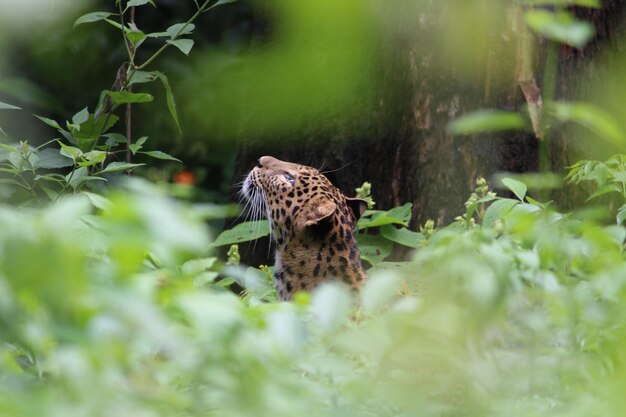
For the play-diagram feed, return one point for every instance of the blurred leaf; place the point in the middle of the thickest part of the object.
(379, 290)
(160, 155)
(30, 93)
(621, 214)
(617, 233)
(81, 117)
(49, 122)
(124, 97)
(98, 201)
(91, 130)
(397, 215)
(402, 236)
(142, 77)
(606, 189)
(197, 266)
(330, 305)
(169, 96)
(136, 37)
(184, 28)
(92, 17)
(595, 4)
(69, 151)
(132, 3)
(591, 117)
(518, 188)
(134, 147)
(92, 158)
(497, 210)
(9, 148)
(534, 180)
(560, 27)
(374, 248)
(184, 45)
(485, 121)
(5, 106)
(114, 139)
(52, 158)
(219, 3)
(243, 232)
(119, 166)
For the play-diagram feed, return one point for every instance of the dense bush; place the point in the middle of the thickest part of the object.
(117, 309)
(113, 301)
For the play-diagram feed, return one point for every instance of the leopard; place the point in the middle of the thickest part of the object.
(312, 224)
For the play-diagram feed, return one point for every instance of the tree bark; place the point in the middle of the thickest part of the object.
(406, 152)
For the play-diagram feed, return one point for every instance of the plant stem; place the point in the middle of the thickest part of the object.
(128, 105)
(127, 44)
(182, 28)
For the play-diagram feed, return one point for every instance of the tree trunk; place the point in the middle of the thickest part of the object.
(405, 150)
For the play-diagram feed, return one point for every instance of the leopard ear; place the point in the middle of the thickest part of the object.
(315, 213)
(357, 205)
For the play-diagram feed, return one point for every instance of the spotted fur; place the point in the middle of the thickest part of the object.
(313, 225)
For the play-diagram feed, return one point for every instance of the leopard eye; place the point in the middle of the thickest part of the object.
(290, 178)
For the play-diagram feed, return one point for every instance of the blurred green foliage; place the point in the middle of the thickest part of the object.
(114, 303)
(121, 308)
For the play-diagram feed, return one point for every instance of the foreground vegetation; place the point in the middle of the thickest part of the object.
(115, 306)
(113, 301)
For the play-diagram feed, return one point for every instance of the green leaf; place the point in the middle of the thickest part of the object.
(138, 145)
(591, 117)
(621, 214)
(124, 97)
(243, 232)
(617, 233)
(75, 178)
(81, 117)
(608, 188)
(220, 2)
(374, 248)
(184, 45)
(402, 236)
(117, 25)
(92, 158)
(52, 158)
(6, 106)
(70, 151)
(497, 210)
(593, 4)
(92, 17)
(171, 103)
(397, 215)
(196, 266)
(379, 290)
(91, 130)
(9, 148)
(517, 187)
(161, 155)
(136, 37)
(49, 122)
(98, 201)
(330, 305)
(115, 139)
(132, 3)
(560, 27)
(484, 121)
(142, 77)
(119, 166)
(187, 28)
